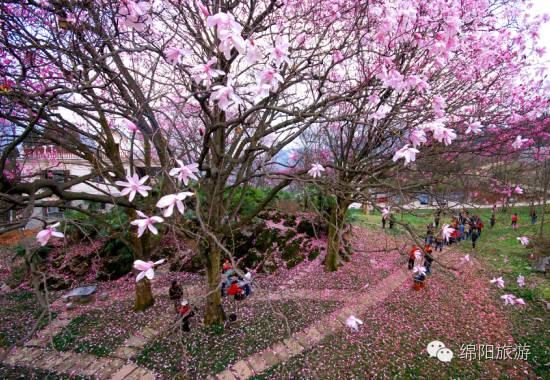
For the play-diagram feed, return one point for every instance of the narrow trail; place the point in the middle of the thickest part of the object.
(356, 303)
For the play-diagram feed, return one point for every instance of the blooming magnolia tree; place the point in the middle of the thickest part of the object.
(199, 95)
(448, 82)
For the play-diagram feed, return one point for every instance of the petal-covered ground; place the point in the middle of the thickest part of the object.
(373, 259)
(457, 310)
(100, 331)
(203, 351)
(19, 312)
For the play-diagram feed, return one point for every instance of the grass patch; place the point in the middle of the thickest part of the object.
(205, 351)
(100, 331)
(19, 311)
(502, 255)
(18, 373)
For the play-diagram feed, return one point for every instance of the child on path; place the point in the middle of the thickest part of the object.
(515, 221)
(186, 313)
(412, 256)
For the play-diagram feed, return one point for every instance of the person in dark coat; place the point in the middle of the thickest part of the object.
(175, 293)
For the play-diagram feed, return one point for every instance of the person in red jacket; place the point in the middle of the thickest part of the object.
(515, 220)
(480, 226)
(236, 291)
(226, 266)
(412, 256)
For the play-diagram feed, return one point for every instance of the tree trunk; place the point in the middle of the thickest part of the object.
(213, 313)
(545, 181)
(141, 248)
(144, 295)
(335, 227)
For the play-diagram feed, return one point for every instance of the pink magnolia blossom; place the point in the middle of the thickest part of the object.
(337, 56)
(279, 53)
(133, 186)
(230, 40)
(443, 134)
(225, 95)
(225, 22)
(271, 77)
(44, 236)
(205, 73)
(408, 153)
(203, 9)
(259, 92)
(439, 104)
(518, 142)
(465, 259)
(169, 201)
(253, 53)
(134, 8)
(134, 14)
(524, 240)
(146, 222)
(174, 54)
(418, 136)
(185, 172)
(521, 281)
(474, 128)
(316, 170)
(498, 281)
(518, 190)
(373, 99)
(132, 127)
(380, 113)
(146, 268)
(447, 231)
(510, 299)
(353, 322)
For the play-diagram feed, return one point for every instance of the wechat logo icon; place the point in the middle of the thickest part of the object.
(437, 349)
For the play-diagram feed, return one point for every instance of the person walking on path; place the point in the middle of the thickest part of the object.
(533, 216)
(439, 241)
(475, 235)
(479, 226)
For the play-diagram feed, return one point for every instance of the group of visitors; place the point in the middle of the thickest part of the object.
(232, 285)
(464, 225)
